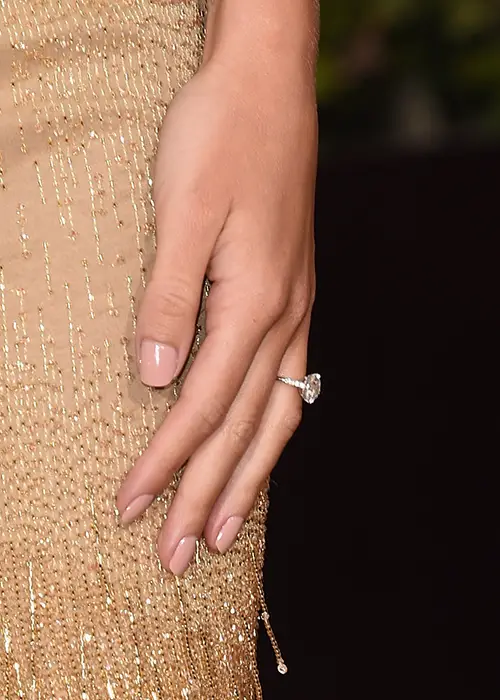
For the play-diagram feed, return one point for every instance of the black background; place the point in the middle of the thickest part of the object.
(382, 573)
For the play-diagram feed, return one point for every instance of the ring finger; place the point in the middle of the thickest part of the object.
(280, 421)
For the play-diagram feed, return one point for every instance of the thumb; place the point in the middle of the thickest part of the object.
(189, 219)
(166, 324)
(170, 306)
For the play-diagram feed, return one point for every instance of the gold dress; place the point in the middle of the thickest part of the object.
(86, 610)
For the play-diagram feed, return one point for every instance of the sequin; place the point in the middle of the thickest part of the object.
(86, 611)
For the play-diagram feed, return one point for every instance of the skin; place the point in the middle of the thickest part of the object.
(234, 194)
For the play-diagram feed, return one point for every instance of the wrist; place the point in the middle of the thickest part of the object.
(271, 39)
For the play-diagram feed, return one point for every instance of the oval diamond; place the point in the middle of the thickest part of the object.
(312, 388)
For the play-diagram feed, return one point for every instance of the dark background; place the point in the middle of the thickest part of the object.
(383, 572)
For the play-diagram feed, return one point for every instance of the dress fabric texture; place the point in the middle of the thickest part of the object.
(86, 610)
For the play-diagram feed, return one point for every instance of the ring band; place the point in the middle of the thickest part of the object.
(309, 387)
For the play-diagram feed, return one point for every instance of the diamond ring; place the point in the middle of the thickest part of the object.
(309, 387)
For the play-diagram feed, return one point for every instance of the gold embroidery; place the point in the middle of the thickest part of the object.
(86, 611)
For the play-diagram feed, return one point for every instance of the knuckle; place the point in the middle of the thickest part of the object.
(300, 307)
(270, 303)
(164, 309)
(192, 508)
(312, 291)
(242, 431)
(291, 420)
(211, 415)
(187, 206)
(277, 299)
(301, 302)
(174, 300)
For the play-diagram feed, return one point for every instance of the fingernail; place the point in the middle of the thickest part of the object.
(136, 508)
(228, 533)
(158, 363)
(182, 555)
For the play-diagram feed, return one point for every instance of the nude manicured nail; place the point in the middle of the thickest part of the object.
(136, 508)
(182, 556)
(228, 533)
(158, 363)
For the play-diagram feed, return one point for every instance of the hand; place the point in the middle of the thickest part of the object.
(234, 196)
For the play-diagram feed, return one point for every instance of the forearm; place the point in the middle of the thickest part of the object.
(274, 36)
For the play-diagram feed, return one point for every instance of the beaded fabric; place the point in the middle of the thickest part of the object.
(86, 610)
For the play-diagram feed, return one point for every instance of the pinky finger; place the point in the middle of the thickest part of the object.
(280, 421)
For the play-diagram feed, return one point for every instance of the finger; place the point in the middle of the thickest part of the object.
(186, 232)
(236, 326)
(211, 466)
(281, 420)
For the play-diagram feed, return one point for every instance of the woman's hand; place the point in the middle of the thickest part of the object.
(234, 195)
